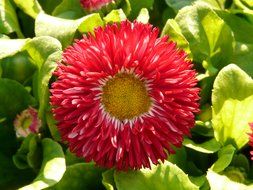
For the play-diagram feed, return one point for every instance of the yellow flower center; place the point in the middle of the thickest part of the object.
(125, 96)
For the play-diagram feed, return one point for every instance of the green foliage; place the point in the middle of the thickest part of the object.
(208, 35)
(232, 101)
(220, 182)
(87, 176)
(14, 98)
(8, 19)
(30, 7)
(163, 176)
(214, 33)
(53, 166)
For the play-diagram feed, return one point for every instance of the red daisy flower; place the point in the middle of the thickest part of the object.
(92, 5)
(124, 96)
(27, 122)
(251, 140)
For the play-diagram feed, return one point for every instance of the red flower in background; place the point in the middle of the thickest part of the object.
(92, 5)
(124, 96)
(27, 122)
(251, 140)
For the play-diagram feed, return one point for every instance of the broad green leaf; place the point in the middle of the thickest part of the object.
(30, 7)
(201, 182)
(8, 171)
(239, 26)
(2, 36)
(208, 35)
(126, 6)
(45, 52)
(72, 159)
(49, 5)
(162, 176)
(20, 158)
(8, 19)
(83, 176)
(244, 4)
(108, 180)
(172, 29)
(207, 147)
(29, 153)
(177, 5)
(243, 57)
(241, 161)
(232, 100)
(10, 47)
(17, 67)
(179, 158)
(70, 9)
(34, 156)
(225, 156)
(221, 182)
(203, 128)
(53, 166)
(10, 176)
(63, 29)
(13, 98)
(51, 123)
(115, 16)
(136, 6)
(143, 16)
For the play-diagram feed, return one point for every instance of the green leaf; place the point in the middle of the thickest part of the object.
(172, 29)
(225, 156)
(8, 19)
(30, 7)
(200, 181)
(203, 128)
(34, 156)
(136, 6)
(51, 123)
(17, 67)
(10, 47)
(49, 5)
(243, 57)
(14, 98)
(53, 166)
(20, 158)
(221, 182)
(241, 161)
(208, 35)
(232, 100)
(29, 153)
(115, 16)
(63, 29)
(108, 180)
(70, 9)
(44, 52)
(207, 147)
(10, 174)
(162, 176)
(83, 176)
(177, 5)
(238, 25)
(143, 16)
(71, 158)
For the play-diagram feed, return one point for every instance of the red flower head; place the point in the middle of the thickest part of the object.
(93, 5)
(251, 140)
(27, 122)
(124, 96)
